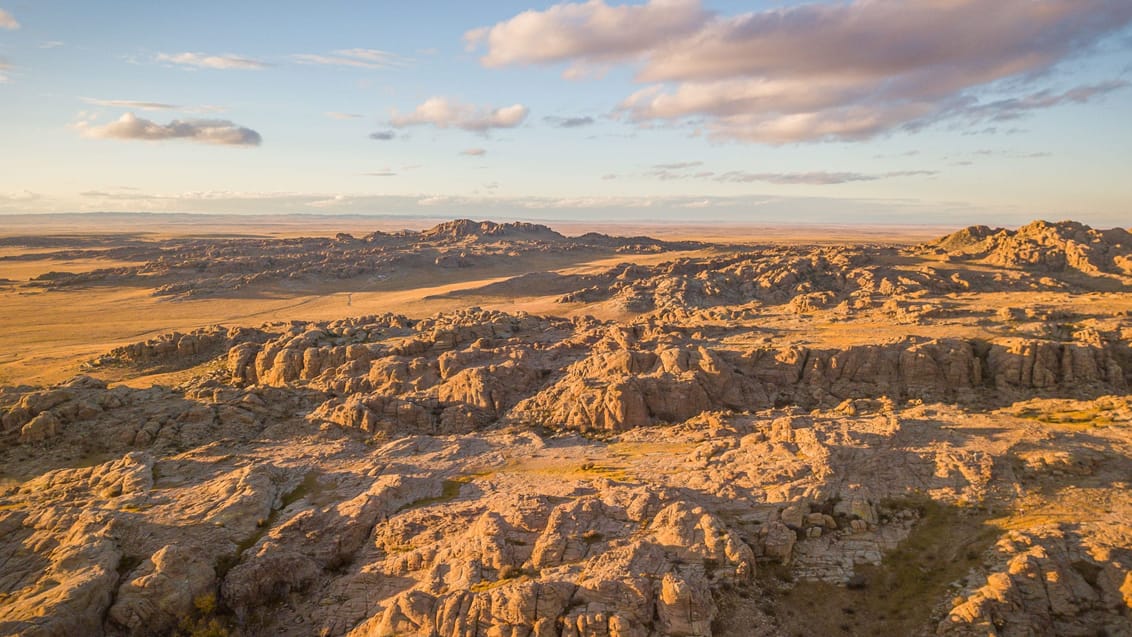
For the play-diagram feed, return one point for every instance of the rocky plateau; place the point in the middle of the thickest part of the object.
(728, 440)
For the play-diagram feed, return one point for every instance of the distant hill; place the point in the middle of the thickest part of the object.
(464, 229)
(1041, 245)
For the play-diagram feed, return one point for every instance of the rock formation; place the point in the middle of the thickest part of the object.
(759, 441)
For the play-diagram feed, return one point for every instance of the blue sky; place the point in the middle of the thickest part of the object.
(926, 111)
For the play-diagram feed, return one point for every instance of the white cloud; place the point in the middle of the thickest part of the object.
(444, 113)
(818, 71)
(474, 152)
(7, 21)
(358, 58)
(214, 131)
(587, 34)
(337, 115)
(206, 61)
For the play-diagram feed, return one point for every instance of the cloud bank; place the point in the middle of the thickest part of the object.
(444, 113)
(206, 131)
(834, 71)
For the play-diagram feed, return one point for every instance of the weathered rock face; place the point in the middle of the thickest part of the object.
(86, 417)
(293, 555)
(1047, 584)
(599, 571)
(73, 582)
(180, 350)
(619, 389)
(463, 371)
(509, 532)
(1051, 247)
(161, 592)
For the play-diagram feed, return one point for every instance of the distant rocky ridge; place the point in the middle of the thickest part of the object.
(463, 229)
(1050, 247)
(191, 267)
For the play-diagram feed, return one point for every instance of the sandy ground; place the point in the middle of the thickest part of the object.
(46, 335)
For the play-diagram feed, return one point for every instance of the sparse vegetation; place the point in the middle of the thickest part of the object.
(204, 621)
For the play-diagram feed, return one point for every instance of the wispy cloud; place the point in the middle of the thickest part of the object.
(817, 178)
(681, 171)
(444, 113)
(381, 173)
(7, 21)
(1015, 107)
(474, 152)
(383, 135)
(817, 71)
(207, 131)
(337, 115)
(52, 44)
(19, 197)
(357, 58)
(4, 68)
(207, 61)
(568, 122)
(141, 106)
(152, 106)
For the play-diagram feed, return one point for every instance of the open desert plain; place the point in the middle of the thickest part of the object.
(566, 318)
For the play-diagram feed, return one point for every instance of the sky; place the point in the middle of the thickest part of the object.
(862, 111)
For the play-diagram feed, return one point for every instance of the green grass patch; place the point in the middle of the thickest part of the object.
(449, 491)
(898, 596)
